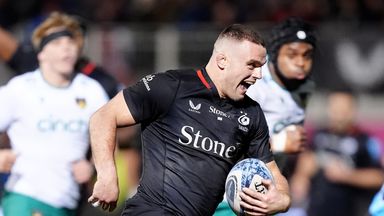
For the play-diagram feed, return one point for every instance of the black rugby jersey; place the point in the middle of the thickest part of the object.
(191, 139)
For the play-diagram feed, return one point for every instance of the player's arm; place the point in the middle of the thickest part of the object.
(338, 172)
(277, 198)
(103, 126)
(7, 159)
(8, 45)
(282, 186)
(300, 181)
(373, 177)
(7, 117)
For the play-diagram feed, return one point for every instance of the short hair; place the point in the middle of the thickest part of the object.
(241, 32)
(57, 19)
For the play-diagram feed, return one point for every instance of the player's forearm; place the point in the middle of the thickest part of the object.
(8, 45)
(103, 141)
(282, 186)
(369, 178)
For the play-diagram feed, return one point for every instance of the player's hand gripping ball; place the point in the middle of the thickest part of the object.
(246, 173)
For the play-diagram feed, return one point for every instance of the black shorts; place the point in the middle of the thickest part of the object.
(138, 205)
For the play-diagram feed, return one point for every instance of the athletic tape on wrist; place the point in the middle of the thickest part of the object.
(279, 141)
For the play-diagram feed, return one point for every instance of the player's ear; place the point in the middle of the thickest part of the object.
(221, 61)
(40, 56)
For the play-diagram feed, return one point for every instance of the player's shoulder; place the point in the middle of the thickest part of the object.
(84, 79)
(87, 82)
(171, 77)
(189, 79)
(23, 79)
(181, 74)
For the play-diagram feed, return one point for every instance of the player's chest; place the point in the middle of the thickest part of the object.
(56, 104)
(213, 116)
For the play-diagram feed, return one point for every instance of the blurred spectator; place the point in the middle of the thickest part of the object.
(311, 10)
(342, 171)
(196, 11)
(373, 11)
(344, 10)
(224, 13)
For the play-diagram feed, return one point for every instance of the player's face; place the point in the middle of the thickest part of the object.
(295, 60)
(60, 55)
(243, 69)
(341, 111)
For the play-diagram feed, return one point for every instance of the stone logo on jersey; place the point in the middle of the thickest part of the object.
(194, 108)
(218, 112)
(196, 140)
(146, 80)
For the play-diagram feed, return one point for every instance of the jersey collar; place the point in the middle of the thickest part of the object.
(205, 79)
(208, 83)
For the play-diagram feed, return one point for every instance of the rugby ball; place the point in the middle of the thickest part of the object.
(246, 173)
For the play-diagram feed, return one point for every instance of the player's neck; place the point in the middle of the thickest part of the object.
(276, 78)
(214, 75)
(56, 78)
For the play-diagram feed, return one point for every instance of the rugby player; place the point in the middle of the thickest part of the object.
(196, 124)
(45, 113)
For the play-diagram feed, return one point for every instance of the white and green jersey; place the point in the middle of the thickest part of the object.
(279, 107)
(48, 130)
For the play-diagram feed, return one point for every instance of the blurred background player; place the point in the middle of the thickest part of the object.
(21, 57)
(45, 113)
(284, 90)
(341, 171)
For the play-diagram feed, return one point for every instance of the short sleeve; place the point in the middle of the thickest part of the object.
(7, 107)
(152, 96)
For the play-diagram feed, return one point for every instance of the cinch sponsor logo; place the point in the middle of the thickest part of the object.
(216, 111)
(194, 108)
(196, 140)
(56, 125)
(146, 80)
